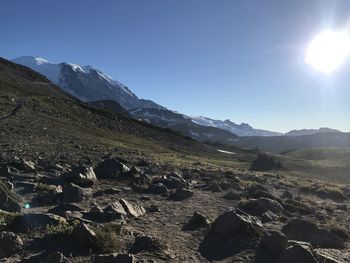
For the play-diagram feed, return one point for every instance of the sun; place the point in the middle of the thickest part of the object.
(328, 51)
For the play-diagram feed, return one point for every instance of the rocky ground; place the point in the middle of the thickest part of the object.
(120, 211)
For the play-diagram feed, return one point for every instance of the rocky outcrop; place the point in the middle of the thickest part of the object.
(73, 193)
(110, 168)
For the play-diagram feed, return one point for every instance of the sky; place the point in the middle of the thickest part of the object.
(242, 60)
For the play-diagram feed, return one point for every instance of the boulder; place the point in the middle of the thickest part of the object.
(330, 256)
(81, 175)
(8, 200)
(114, 258)
(55, 257)
(303, 230)
(268, 216)
(35, 221)
(234, 221)
(146, 243)
(110, 168)
(197, 220)
(274, 241)
(132, 210)
(158, 189)
(84, 235)
(257, 207)
(63, 207)
(181, 194)
(231, 233)
(297, 253)
(153, 208)
(74, 193)
(9, 172)
(10, 243)
(116, 208)
(173, 181)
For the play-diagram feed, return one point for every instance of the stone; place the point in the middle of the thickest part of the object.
(81, 175)
(35, 221)
(234, 221)
(181, 194)
(27, 166)
(9, 172)
(197, 220)
(10, 243)
(153, 209)
(268, 216)
(114, 258)
(146, 243)
(63, 207)
(303, 230)
(157, 189)
(55, 257)
(132, 210)
(274, 241)
(110, 168)
(257, 207)
(84, 235)
(8, 200)
(297, 253)
(330, 256)
(74, 193)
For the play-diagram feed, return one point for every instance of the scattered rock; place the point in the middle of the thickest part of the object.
(297, 253)
(132, 210)
(269, 216)
(181, 194)
(197, 220)
(10, 243)
(114, 258)
(35, 221)
(110, 168)
(81, 175)
(330, 256)
(274, 241)
(230, 233)
(146, 243)
(55, 257)
(158, 189)
(257, 207)
(84, 235)
(8, 200)
(303, 230)
(153, 209)
(74, 193)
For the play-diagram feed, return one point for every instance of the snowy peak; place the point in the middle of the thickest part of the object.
(242, 129)
(87, 83)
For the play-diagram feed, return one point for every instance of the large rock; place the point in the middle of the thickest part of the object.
(158, 189)
(55, 257)
(132, 210)
(274, 241)
(230, 233)
(74, 193)
(257, 207)
(331, 256)
(303, 230)
(114, 258)
(8, 200)
(81, 175)
(35, 221)
(9, 172)
(110, 168)
(197, 220)
(181, 194)
(10, 243)
(299, 253)
(173, 181)
(84, 235)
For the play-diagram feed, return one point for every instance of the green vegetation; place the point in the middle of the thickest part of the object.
(107, 238)
(265, 162)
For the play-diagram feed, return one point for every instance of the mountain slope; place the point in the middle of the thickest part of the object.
(183, 124)
(242, 129)
(86, 82)
(310, 131)
(37, 118)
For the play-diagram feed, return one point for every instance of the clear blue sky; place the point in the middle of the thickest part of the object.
(236, 59)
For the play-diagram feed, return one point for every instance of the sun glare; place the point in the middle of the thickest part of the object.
(328, 51)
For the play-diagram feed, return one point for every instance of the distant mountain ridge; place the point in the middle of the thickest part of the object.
(242, 129)
(310, 131)
(86, 82)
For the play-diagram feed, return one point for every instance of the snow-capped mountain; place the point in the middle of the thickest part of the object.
(242, 129)
(86, 82)
(183, 124)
